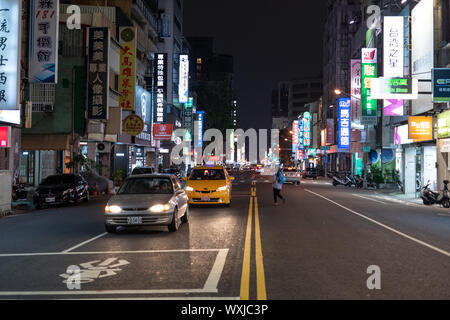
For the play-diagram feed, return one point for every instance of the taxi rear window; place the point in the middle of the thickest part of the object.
(207, 174)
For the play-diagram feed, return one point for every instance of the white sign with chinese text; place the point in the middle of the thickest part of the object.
(43, 67)
(9, 54)
(183, 85)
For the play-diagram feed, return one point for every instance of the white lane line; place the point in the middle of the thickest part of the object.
(384, 226)
(85, 242)
(104, 252)
(368, 198)
(98, 292)
(162, 298)
(214, 276)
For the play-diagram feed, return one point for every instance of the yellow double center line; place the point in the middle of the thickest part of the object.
(260, 278)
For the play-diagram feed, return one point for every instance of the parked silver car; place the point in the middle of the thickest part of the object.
(148, 199)
(292, 175)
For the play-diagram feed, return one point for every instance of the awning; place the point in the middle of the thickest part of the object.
(45, 142)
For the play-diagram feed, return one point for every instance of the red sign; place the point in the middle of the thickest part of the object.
(299, 154)
(162, 131)
(5, 137)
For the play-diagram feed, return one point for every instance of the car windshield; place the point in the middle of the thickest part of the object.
(58, 179)
(146, 186)
(142, 170)
(207, 174)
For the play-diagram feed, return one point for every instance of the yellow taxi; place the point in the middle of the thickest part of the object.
(209, 185)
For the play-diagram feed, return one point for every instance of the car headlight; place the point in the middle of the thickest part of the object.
(158, 208)
(189, 188)
(113, 209)
(222, 188)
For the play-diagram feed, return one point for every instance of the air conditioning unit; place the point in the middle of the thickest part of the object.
(103, 147)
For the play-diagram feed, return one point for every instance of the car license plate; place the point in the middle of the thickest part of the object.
(134, 220)
(206, 198)
(52, 199)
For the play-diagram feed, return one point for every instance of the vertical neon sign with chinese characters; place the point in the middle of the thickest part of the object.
(43, 66)
(306, 129)
(369, 71)
(127, 76)
(98, 74)
(161, 85)
(344, 123)
(183, 85)
(9, 54)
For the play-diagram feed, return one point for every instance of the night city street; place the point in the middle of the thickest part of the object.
(316, 246)
(224, 159)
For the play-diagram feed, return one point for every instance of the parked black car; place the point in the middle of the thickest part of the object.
(175, 172)
(143, 170)
(61, 189)
(310, 173)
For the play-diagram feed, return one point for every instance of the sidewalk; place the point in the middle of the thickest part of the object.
(27, 206)
(397, 195)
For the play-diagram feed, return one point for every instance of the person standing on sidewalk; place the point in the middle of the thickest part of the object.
(278, 180)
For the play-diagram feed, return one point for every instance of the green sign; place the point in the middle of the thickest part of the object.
(366, 149)
(190, 102)
(397, 85)
(325, 148)
(443, 124)
(368, 105)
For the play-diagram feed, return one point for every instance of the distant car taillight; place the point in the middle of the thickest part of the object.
(298, 174)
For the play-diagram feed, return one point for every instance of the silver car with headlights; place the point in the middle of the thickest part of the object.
(148, 200)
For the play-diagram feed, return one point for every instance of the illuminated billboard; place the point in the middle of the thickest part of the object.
(183, 84)
(369, 71)
(344, 123)
(9, 55)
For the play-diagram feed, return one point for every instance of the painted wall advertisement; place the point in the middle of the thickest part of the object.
(355, 91)
(9, 55)
(344, 123)
(98, 74)
(127, 76)
(44, 21)
(369, 71)
(161, 85)
(393, 60)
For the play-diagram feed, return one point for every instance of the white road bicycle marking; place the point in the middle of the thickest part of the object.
(210, 286)
(85, 242)
(368, 198)
(384, 226)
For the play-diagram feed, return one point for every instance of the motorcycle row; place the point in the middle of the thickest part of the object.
(428, 196)
(345, 179)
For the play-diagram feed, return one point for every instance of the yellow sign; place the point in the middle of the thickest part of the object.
(420, 128)
(127, 76)
(133, 125)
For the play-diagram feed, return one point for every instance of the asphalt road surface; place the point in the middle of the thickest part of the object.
(323, 243)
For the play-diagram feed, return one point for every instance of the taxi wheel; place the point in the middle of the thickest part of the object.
(173, 226)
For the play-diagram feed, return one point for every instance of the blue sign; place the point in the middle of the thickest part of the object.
(198, 138)
(441, 84)
(344, 123)
(143, 110)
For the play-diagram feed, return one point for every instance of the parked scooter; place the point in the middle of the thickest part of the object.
(19, 192)
(339, 181)
(430, 197)
(359, 182)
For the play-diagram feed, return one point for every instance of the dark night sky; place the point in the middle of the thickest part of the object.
(271, 41)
